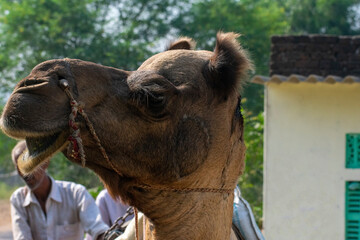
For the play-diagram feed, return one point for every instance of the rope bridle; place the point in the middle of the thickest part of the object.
(74, 138)
(78, 151)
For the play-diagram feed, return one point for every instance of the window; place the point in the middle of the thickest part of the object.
(352, 151)
(352, 211)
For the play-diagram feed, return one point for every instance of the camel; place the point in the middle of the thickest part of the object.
(170, 129)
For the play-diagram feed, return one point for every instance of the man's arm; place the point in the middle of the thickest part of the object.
(20, 228)
(89, 214)
(101, 203)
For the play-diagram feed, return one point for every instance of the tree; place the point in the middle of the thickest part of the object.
(110, 32)
(251, 181)
(61, 168)
(6, 145)
(323, 16)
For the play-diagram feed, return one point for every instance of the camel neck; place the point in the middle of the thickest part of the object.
(189, 216)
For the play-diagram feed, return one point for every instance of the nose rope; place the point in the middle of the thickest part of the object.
(76, 141)
(75, 138)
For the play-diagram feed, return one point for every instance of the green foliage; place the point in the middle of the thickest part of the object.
(323, 16)
(6, 190)
(118, 33)
(6, 145)
(251, 182)
(61, 168)
(94, 192)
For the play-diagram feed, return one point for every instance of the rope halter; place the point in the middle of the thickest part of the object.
(75, 138)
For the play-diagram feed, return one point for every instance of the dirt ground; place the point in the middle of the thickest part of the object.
(5, 220)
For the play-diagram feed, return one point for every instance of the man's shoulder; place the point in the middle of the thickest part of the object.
(70, 187)
(102, 194)
(18, 194)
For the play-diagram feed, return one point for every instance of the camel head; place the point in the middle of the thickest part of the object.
(173, 122)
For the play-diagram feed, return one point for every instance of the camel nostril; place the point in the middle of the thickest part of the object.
(31, 82)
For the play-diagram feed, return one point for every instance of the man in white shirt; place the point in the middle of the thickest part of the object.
(111, 209)
(49, 209)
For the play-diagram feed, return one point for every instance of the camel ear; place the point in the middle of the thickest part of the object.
(183, 43)
(228, 66)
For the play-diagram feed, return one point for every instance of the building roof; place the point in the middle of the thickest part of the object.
(315, 54)
(294, 78)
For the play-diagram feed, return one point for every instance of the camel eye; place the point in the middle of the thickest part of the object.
(156, 102)
(152, 104)
(155, 105)
(151, 94)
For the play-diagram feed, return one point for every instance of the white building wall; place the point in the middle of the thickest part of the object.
(304, 165)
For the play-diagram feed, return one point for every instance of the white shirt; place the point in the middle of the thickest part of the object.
(110, 209)
(70, 210)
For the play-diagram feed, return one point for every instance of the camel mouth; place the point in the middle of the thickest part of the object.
(40, 150)
(31, 84)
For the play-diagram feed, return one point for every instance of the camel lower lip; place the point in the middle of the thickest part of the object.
(36, 145)
(41, 149)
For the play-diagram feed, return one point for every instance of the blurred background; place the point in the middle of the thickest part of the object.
(124, 33)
